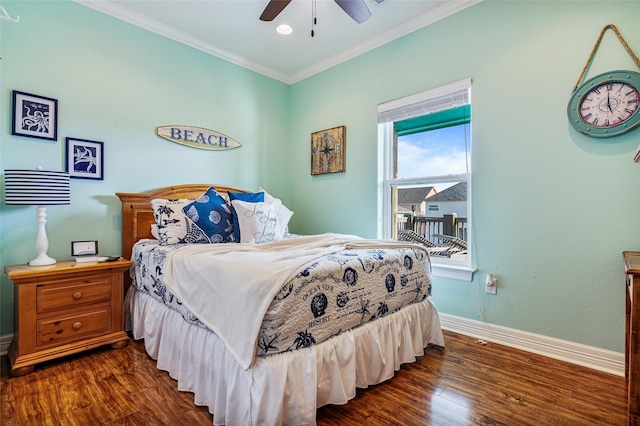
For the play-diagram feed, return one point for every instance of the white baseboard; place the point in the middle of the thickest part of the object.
(575, 353)
(5, 341)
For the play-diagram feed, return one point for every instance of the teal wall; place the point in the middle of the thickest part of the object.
(115, 83)
(552, 209)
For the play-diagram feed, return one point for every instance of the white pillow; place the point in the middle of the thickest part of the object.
(268, 197)
(262, 222)
(173, 226)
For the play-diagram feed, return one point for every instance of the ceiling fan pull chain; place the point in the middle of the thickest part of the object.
(314, 20)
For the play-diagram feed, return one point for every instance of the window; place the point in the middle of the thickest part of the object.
(425, 175)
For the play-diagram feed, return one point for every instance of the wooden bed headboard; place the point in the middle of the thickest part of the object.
(137, 214)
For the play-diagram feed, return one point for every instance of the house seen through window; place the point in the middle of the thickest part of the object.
(426, 149)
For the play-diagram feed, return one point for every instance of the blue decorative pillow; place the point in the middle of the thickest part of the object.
(250, 197)
(212, 215)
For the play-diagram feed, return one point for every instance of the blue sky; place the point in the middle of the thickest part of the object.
(435, 153)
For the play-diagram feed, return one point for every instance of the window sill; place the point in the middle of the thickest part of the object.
(455, 272)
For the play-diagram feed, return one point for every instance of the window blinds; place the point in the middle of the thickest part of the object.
(451, 96)
(437, 120)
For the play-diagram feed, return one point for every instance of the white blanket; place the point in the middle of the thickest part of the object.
(229, 286)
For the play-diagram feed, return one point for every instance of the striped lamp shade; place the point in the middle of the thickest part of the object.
(36, 187)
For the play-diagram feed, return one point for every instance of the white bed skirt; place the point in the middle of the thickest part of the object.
(278, 390)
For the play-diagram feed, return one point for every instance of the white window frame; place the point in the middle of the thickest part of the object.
(404, 108)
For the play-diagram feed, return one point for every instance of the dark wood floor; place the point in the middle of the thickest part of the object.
(464, 384)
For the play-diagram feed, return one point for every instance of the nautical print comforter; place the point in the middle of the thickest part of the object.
(334, 293)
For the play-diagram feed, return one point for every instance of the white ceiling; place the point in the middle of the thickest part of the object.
(231, 29)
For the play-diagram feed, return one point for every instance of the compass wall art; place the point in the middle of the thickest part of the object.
(328, 149)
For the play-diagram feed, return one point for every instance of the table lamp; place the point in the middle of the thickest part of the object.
(37, 188)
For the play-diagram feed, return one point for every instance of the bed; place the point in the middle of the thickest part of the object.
(269, 344)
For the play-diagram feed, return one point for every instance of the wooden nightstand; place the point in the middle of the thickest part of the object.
(65, 308)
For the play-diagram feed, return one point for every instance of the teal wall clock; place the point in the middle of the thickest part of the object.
(606, 105)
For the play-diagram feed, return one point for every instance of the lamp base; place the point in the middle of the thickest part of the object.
(42, 243)
(42, 260)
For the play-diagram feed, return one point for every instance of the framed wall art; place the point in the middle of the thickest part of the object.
(85, 159)
(328, 149)
(34, 116)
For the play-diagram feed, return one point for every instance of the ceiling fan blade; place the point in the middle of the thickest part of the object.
(273, 9)
(356, 9)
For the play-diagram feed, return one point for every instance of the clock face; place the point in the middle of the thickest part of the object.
(609, 104)
(606, 105)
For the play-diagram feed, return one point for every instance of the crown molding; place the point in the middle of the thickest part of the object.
(144, 22)
(443, 10)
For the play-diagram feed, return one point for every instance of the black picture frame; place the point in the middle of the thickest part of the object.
(84, 159)
(34, 116)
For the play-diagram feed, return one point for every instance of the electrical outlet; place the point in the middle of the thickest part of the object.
(491, 285)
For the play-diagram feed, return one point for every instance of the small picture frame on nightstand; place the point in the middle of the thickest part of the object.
(84, 248)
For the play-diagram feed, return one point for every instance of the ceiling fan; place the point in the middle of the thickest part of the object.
(356, 9)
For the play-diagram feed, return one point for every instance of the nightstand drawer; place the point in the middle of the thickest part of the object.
(51, 298)
(56, 330)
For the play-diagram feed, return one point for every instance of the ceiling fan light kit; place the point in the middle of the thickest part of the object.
(284, 29)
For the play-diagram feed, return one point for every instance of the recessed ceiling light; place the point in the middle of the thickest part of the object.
(284, 29)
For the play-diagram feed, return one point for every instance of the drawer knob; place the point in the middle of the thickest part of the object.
(77, 325)
(77, 295)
